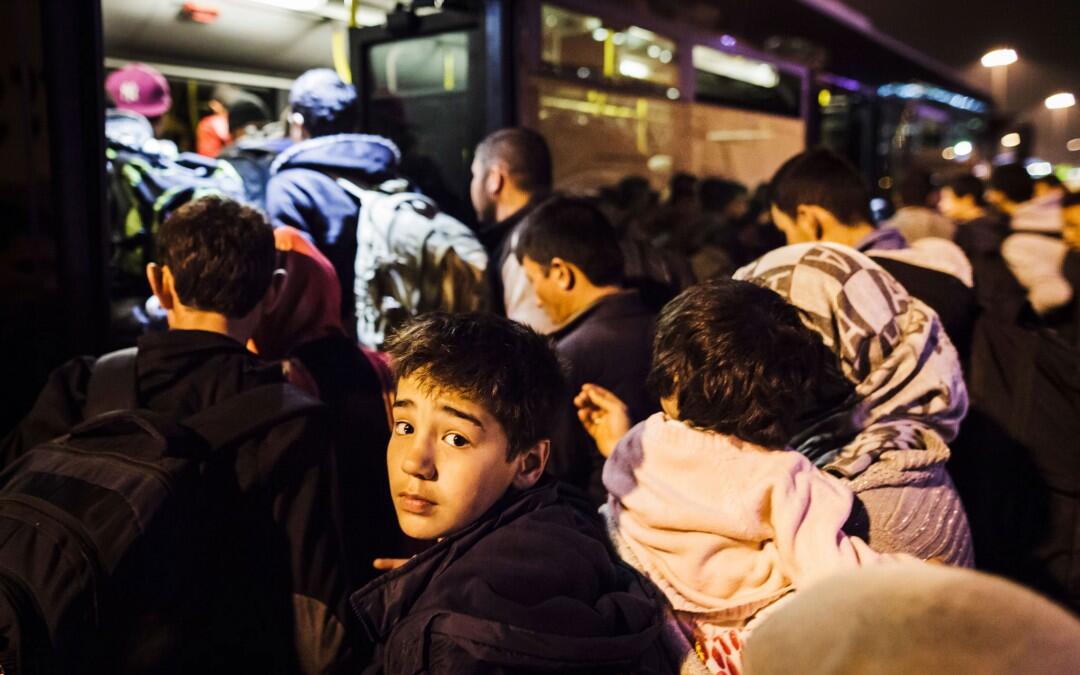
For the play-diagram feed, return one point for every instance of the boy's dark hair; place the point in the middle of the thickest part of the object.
(1013, 181)
(740, 362)
(914, 188)
(502, 366)
(576, 231)
(525, 153)
(327, 103)
(823, 178)
(221, 254)
(968, 184)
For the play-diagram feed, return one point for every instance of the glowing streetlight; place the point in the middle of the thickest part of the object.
(1060, 100)
(999, 57)
(1010, 140)
(963, 148)
(998, 62)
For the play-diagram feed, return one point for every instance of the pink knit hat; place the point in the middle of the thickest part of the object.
(139, 88)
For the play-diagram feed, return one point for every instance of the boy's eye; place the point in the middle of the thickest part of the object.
(403, 428)
(456, 440)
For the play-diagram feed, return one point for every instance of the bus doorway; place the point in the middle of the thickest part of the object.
(435, 85)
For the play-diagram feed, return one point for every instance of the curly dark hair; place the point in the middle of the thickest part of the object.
(739, 361)
(221, 254)
(502, 366)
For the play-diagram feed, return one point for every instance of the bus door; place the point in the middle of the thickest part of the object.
(435, 84)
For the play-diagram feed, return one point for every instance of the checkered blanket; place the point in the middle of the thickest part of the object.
(909, 385)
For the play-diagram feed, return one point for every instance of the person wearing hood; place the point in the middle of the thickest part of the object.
(522, 578)
(301, 327)
(819, 196)
(303, 191)
(1034, 250)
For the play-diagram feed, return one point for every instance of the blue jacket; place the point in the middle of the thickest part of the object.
(302, 192)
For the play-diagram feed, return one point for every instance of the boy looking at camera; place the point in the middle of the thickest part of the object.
(522, 576)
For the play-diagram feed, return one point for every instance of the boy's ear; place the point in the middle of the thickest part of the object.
(808, 222)
(161, 285)
(531, 464)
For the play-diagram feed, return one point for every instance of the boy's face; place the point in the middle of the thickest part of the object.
(446, 458)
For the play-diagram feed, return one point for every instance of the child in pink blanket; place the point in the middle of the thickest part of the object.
(704, 498)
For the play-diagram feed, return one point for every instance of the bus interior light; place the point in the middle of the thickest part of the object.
(634, 69)
(751, 71)
(295, 5)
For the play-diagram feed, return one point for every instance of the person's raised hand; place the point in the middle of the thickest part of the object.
(604, 416)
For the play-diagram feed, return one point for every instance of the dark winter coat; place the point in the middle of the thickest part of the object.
(273, 487)
(532, 586)
(610, 344)
(303, 192)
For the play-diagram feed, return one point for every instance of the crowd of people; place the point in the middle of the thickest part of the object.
(720, 433)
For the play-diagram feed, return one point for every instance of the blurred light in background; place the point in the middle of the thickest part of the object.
(999, 57)
(1011, 140)
(1073, 145)
(1060, 100)
(1037, 169)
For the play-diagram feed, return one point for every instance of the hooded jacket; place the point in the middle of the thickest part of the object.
(273, 487)
(303, 193)
(531, 586)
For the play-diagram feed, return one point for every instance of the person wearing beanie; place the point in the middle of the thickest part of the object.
(915, 618)
(303, 190)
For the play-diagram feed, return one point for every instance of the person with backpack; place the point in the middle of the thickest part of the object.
(190, 474)
(395, 252)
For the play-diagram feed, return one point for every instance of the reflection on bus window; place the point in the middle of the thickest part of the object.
(417, 85)
(744, 82)
(584, 47)
(421, 66)
(598, 137)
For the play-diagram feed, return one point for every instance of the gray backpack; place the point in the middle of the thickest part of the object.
(411, 258)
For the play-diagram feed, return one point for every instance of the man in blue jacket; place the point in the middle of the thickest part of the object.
(303, 191)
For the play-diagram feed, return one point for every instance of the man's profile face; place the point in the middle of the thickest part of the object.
(549, 294)
(483, 202)
(446, 459)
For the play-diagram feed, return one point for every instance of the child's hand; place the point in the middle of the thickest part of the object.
(603, 415)
(387, 564)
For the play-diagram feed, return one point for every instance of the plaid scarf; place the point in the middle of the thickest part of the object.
(909, 390)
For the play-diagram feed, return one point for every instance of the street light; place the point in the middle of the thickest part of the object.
(998, 61)
(1060, 100)
(999, 57)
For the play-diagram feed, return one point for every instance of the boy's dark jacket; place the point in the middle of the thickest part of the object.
(273, 487)
(532, 586)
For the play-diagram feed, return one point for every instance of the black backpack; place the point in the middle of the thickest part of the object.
(100, 528)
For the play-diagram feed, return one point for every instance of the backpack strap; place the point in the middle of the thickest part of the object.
(249, 414)
(112, 384)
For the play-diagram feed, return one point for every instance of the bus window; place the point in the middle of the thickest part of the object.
(746, 83)
(599, 136)
(583, 47)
